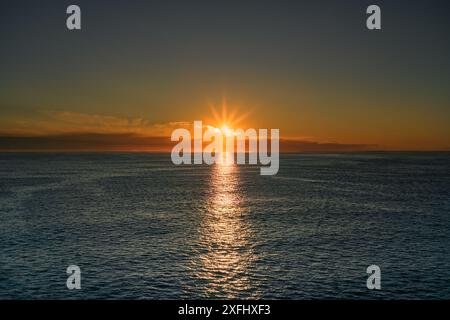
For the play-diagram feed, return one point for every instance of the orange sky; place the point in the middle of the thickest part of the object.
(309, 132)
(317, 75)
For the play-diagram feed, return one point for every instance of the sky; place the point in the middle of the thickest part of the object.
(138, 69)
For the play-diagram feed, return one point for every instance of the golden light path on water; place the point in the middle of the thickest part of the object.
(225, 235)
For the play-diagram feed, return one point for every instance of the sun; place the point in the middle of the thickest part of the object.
(226, 120)
(227, 131)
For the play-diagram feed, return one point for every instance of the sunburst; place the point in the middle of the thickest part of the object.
(226, 119)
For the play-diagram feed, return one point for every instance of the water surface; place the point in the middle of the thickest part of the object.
(141, 228)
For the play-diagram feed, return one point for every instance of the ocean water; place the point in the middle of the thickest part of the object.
(142, 228)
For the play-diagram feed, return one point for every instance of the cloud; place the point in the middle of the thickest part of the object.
(291, 145)
(73, 131)
(66, 122)
(136, 142)
(85, 142)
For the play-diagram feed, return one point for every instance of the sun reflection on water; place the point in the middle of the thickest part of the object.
(226, 257)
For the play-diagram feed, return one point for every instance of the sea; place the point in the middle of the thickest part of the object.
(140, 227)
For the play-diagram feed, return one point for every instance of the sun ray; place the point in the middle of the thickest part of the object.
(224, 110)
(226, 116)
